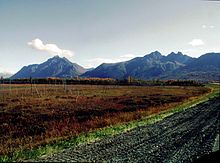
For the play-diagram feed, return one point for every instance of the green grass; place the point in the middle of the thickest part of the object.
(59, 145)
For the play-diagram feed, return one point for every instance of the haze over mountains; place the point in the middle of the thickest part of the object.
(5, 74)
(151, 66)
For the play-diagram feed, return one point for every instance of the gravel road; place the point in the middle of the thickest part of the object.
(182, 137)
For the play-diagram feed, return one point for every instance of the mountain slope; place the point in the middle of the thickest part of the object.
(157, 66)
(53, 67)
(209, 61)
(151, 66)
(206, 68)
(147, 67)
(179, 57)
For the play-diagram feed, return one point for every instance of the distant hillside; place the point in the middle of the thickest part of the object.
(147, 67)
(179, 57)
(151, 66)
(53, 67)
(90, 69)
(206, 62)
(206, 68)
(157, 66)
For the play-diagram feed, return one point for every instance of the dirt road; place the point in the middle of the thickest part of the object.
(182, 137)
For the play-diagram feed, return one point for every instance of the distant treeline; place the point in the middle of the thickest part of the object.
(101, 81)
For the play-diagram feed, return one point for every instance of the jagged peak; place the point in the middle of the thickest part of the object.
(180, 53)
(56, 66)
(155, 54)
(57, 58)
(173, 53)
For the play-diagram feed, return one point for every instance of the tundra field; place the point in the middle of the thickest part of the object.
(181, 137)
(35, 115)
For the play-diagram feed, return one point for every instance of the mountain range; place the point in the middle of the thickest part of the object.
(147, 67)
(53, 67)
(151, 66)
(157, 66)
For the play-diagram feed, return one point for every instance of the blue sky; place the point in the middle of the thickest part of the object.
(96, 31)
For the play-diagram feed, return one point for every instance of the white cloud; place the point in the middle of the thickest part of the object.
(52, 49)
(196, 42)
(204, 26)
(127, 56)
(97, 61)
(208, 26)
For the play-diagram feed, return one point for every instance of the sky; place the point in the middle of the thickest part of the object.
(90, 32)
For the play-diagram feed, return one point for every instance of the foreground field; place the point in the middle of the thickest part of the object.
(40, 114)
(182, 137)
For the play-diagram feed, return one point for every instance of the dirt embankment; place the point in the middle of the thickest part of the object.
(182, 137)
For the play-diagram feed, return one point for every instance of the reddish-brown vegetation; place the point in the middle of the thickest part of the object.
(31, 116)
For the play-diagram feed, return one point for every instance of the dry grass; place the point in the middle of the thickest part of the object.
(32, 117)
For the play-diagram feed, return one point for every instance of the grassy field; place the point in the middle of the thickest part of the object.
(33, 116)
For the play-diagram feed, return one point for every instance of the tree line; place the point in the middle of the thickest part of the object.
(101, 81)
